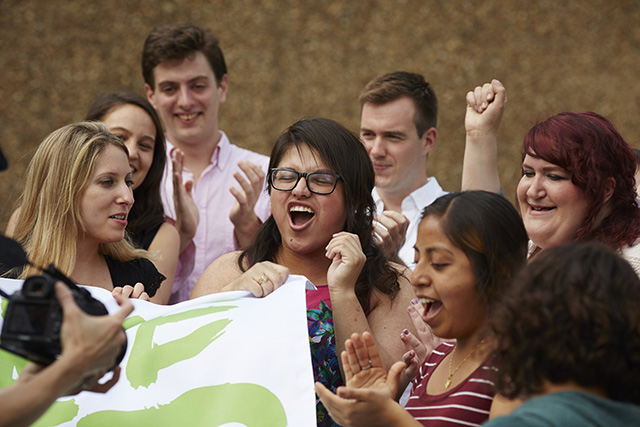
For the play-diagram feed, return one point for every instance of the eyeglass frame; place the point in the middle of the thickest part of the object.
(304, 175)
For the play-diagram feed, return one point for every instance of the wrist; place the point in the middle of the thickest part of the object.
(343, 294)
(186, 233)
(72, 369)
(246, 225)
(481, 135)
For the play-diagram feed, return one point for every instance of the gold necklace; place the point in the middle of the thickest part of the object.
(451, 373)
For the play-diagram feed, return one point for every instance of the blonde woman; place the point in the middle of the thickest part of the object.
(73, 212)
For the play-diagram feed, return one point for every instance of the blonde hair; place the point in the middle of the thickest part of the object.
(49, 222)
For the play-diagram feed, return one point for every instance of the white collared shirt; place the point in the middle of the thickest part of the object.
(412, 207)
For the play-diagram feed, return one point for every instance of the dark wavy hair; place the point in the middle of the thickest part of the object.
(344, 154)
(591, 149)
(147, 211)
(489, 230)
(175, 42)
(571, 316)
(392, 86)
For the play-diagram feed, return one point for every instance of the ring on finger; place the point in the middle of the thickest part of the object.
(364, 368)
(262, 279)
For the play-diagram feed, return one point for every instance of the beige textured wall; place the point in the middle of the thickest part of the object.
(292, 58)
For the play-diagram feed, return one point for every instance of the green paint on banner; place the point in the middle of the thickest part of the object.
(60, 412)
(9, 362)
(147, 359)
(132, 321)
(248, 404)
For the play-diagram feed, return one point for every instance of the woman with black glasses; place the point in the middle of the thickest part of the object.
(321, 226)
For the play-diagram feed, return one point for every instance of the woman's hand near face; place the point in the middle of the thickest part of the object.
(261, 279)
(128, 291)
(420, 345)
(347, 257)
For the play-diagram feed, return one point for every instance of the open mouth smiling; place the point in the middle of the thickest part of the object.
(431, 307)
(300, 215)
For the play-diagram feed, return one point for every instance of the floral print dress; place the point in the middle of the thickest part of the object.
(323, 347)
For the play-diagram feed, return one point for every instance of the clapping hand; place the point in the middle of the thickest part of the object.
(367, 400)
(391, 230)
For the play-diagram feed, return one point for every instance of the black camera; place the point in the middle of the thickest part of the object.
(33, 318)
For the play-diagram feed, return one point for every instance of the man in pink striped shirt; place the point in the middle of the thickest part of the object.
(186, 81)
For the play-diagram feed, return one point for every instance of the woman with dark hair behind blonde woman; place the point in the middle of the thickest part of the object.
(131, 118)
(569, 340)
(74, 210)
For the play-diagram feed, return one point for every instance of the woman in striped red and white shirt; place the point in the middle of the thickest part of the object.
(469, 245)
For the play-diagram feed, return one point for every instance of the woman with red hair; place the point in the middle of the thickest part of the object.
(577, 179)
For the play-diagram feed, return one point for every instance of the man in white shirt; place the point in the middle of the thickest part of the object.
(186, 81)
(398, 129)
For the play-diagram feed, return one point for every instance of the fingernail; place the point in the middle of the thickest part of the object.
(406, 332)
(415, 302)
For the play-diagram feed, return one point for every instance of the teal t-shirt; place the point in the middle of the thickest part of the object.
(568, 409)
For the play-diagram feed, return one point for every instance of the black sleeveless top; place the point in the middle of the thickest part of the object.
(143, 240)
(137, 270)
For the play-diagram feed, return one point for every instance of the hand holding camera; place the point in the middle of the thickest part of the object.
(54, 321)
(92, 344)
(46, 320)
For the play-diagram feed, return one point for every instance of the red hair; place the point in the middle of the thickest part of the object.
(591, 149)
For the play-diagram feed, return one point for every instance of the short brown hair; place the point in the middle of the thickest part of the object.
(176, 42)
(395, 85)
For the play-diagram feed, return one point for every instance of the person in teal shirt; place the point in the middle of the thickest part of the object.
(569, 344)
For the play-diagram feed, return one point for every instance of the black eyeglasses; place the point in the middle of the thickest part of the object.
(284, 179)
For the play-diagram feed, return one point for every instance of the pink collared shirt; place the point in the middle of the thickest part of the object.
(214, 235)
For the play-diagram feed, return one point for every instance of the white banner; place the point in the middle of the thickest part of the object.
(225, 359)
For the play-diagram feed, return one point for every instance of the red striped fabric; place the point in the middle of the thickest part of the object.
(466, 404)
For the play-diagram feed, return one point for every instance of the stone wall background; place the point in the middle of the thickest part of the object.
(290, 59)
